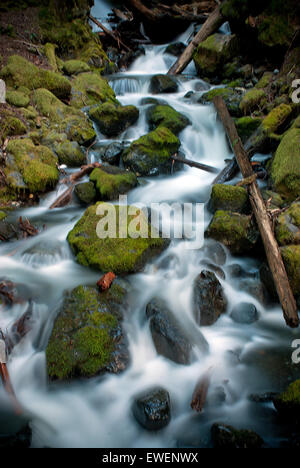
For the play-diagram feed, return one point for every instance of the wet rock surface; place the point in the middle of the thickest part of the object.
(152, 409)
(209, 300)
(225, 436)
(244, 313)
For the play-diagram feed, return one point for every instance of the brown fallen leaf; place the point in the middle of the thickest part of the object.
(105, 281)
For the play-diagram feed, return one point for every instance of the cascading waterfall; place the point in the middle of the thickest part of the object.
(97, 412)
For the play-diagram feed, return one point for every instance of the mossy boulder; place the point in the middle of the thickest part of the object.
(89, 89)
(87, 337)
(288, 225)
(10, 124)
(167, 117)
(287, 403)
(211, 54)
(20, 72)
(246, 126)
(74, 67)
(30, 167)
(253, 100)
(225, 436)
(85, 192)
(151, 153)
(112, 119)
(291, 258)
(228, 197)
(236, 231)
(265, 80)
(231, 96)
(118, 252)
(276, 118)
(163, 84)
(17, 98)
(66, 119)
(110, 182)
(49, 51)
(70, 153)
(285, 169)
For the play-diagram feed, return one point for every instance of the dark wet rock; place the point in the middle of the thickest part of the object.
(112, 153)
(19, 440)
(209, 300)
(266, 397)
(228, 197)
(87, 337)
(176, 48)
(85, 192)
(111, 181)
(168, 117)
(217, 396)
(235, 270)
(288, 402)
(244, 313)
(267, 280)
(152, 409)
(255, 288)
(225, 436)
(112, 119)
(8, 231)
(167, 334)
(215, 252)
(163, 84)
(151, 100)
(216, 269)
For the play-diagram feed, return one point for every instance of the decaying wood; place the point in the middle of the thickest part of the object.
(200, 392)
(105, 281)
(19, 329)
(63, 199)
(6, 291)
(109, 33)
(149, 14)
(212, 24)
(273, 254)
(203, 167)
(84, 170)
(247, 181)
(27, 228)
(6, 379)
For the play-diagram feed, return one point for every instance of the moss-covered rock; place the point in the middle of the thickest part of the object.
(288, 225)
(225, 436)
(287, 403)
(20, 72)
(273, 199)
(10, 124)
(246, 126)
(291, 258)
(264, 81)
(276, 118)
(110, 182)
(89, 89)
(65, 118)
(232, 98)
(49, 50)
(163, 84)
(74, 67)
(168, 117)
(285, 170)
(30, 167)
(151, 153)
(85, 192)
(2, 215)
(113, 120)
(214, 52)
(121, 254)
(70, 153)
(87, 337)
(228, 197)
(17, 98)
(236, 231)
(253, 100)
(275, 30)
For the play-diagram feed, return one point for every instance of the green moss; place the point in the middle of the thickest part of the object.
(288, 225)
(291, 258)
(288, 402)
(85, 192)
(10, 125)
(151, 153)
(246, 126)
(17, 98)
(252, 100)
(89, 89)
(70, 153)
(110, 186)
(275, 30)
(228, 197)
(2, 215)
(264, 81)
(20, 72)
(120, 255)
(85, 335)
(74, 67)
(276, 118)
(113, 120)
(49, 50)
(231, 97)
(234, 230)
(285, 170)
(167, 117)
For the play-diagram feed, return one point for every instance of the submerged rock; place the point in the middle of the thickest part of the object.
(209, 300)
(151, 153)
(110, 182)
(168, 338)
(176, 48)
(120, 254)
(225, 436)
(166, 116)
(244, 313)
(152, 409)
(87, 336)
(113, 120)
(163, 84)
(228, 197)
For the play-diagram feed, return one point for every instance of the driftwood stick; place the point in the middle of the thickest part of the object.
(213, 22)
(108, 32)
(273, 254)
(202, 166)
(200, 392)
(229, 171)
(63, 199)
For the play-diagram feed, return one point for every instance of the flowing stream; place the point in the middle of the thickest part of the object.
(97, 412)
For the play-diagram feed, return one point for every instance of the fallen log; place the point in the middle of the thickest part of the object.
(200, 392)
(228, 173)
(203, 167)
(6, 379)
(273, 254)
(149, 14)
(109, 33)
(212, 24)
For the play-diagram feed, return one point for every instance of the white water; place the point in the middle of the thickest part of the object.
(96, 412)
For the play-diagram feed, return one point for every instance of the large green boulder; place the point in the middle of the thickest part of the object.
(17, 98)
(85, 192)
(287, 403)
(151, 153)
(228, 197)
(89, 89)
(213, 53)
(163, 84)
(288, 225)
(285, 170)
(74, 67)
(167, 117)
(234, 230)
(87, 337)
(70, 153)
(110, 182)
(119, 251)
(112, 119)
(30, 167)
(291, 258)
(10, 124)
(20, 72)
(276, 118)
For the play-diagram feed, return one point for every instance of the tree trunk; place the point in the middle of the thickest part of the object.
(273, 254)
